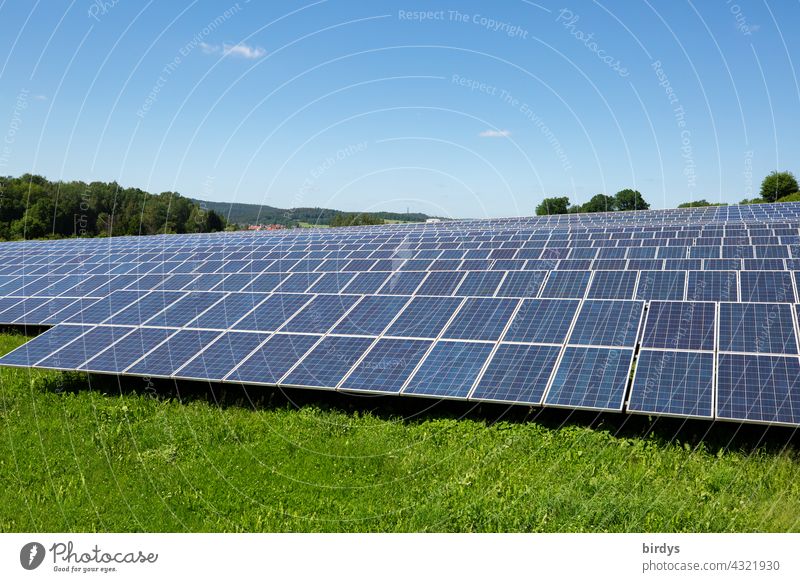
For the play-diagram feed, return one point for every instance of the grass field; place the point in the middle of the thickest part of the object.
(86, 454)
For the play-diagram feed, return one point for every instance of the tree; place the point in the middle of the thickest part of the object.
(600, 203)
(628, 199)
(558, 205)
(777, 185)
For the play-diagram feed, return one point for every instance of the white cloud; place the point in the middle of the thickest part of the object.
(244, 51)
(495, 133)
(233, 50)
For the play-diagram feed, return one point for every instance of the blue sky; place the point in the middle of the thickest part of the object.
(463, 109)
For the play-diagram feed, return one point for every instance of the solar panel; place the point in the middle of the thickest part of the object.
(387, 366)
(517, 373)
(767, 286)
(758, 388)
(680, 325)
(613, 285)
(43, 345)
(530, 301)
(759, 328)
(424, 317)
(371, 315)
(542, 321)
(481, 318)
(120, 355)
(449, 370)
(675, 383)
(270, 362)
(594, 378)
(328, 362)
(566, 284)
(607, 323)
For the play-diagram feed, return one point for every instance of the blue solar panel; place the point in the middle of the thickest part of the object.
(272, 312)
(440, 283)
(402, 283)
(143, 309)
(591, 378)
(328, 362)
(173, 353)
(566, 284)
(480, 283)
(366, 283)
(481, 318)
(101, 310)
(449, 370)
(126, 351)
(661, 285)
(517, 373)
(228, 311)
(218, 359)
(424, 317)
(607, 323)
(185, 310)
(757, 328)
(371, 316)
(387, 366)
(43, 345)
(331, 283)
(273, 359)
(86, 346)
(758, 388)
(613, 285)
(766, 286)
(673, 383)
(521, 284)
(320, 314)
(679, 325)
(713, 286)
(542, 321)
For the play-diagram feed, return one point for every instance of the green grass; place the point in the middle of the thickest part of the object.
(85, 458)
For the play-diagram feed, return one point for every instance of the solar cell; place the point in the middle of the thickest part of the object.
(673, 383)
(402, 283)
(713, 286)
(517, 373)
(101, 310)
(593, 378)
(480, 283)
(521, 284)
(440, 283)
(320, 314)
(679, 325)
(228, 311)
(173, 353)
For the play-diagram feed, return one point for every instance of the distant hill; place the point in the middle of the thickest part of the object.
(244, 214)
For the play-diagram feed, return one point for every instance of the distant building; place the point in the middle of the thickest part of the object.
(433, 220)
(266, 227)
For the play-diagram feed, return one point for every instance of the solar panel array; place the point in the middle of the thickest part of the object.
(690, 312)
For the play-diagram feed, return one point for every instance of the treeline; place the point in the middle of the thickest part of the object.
(776, 187)
(33, 207)
(622, 201)
(246, 214)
